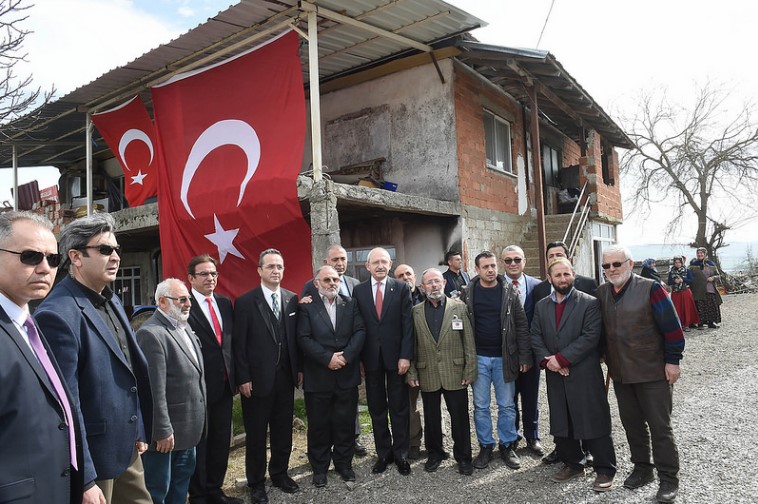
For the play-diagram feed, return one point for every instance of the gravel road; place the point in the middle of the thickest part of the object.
(715, 404)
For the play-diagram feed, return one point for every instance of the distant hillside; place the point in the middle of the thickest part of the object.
(732, 257)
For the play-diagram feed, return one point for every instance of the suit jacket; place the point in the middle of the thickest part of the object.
(217, 359)
(310, 290)
(581, 283)
(449, 277)
(392, 335)
(113, 400)
(318, 341)
(580, 395)
(254, 340)
(451, 359)
(35, 465)
(177, 381)
(531, 284)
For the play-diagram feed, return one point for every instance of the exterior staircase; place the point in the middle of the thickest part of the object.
(555, 228)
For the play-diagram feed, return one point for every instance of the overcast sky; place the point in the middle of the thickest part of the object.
(613, 49)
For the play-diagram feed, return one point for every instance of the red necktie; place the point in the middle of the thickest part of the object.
(214, 319)
(379, 300)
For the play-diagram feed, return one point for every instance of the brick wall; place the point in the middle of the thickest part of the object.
(606, 203)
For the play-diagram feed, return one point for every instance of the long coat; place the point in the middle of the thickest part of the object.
(581, 394)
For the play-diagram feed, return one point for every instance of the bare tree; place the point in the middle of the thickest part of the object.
(703, 159)
(17, 94)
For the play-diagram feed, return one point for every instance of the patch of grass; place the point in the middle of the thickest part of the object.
(238, 426)
(300, 410)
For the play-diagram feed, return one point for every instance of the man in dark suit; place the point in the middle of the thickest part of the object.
(211, 318)
(176, 375)
(40, 444)
(266, 371)
(101, 362)
(455, 278)
(385, 305)
(556, 250)
(527, 384)
(565, 337)
(330, 334)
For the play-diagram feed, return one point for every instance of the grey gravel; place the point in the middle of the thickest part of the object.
(715, 404)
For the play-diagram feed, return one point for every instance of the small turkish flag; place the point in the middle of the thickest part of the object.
(231, 137)
(128, 131)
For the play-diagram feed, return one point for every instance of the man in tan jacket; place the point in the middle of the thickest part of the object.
(445, 365)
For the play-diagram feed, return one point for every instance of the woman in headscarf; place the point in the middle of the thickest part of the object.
(707, 297)
(649, 271)
(680, 279)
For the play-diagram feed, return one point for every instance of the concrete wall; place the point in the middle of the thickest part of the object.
(485, 229)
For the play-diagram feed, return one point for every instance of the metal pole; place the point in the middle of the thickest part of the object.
(315, 94)
(15, 178)
(88, 139)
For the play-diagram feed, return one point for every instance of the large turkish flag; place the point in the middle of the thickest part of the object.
(232, 137)
(128, 131)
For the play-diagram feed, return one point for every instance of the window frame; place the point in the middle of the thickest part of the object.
(490, 117)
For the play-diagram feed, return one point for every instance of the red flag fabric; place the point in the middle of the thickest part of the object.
(128, 131)
(231, 137)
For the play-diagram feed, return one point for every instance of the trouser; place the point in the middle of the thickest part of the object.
(386, 391)
(167, 475)
(212, 454)
(457, 405)
(571, 451)
(528, 388)
(416, 432)
(330, 418)
(129, 487)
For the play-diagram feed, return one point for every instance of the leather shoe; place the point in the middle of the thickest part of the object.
(381, 465)
(483, 459)
(508, 454)
(319, 480)
(347, 474)
(285, 483)
(640, 477)
(602, 483)
(567, 473)
(667, 491)
(258, 495)
(414, 453)
(711, 325)
(588, 460)
(223, 499)
(465, 468)
(360, 450)
(535, 446)
(432, 464)
(551, 458)
(403, 467)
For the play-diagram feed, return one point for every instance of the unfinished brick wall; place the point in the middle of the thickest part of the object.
(607, 197)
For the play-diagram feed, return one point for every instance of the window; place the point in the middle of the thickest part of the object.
(127, 286)
(606, 154)
(356, 262)
(497, 142)
(551, 165)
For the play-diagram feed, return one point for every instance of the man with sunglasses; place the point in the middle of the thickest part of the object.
(106, 371)
(211, 318)
(40, 446)
(644, 343)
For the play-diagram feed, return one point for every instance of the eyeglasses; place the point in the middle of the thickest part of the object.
(509, 260)
(616, 264)
(33, 257)
(182, 300)
(205, 274)
(105, 250)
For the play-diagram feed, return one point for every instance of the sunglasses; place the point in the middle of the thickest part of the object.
(204, 274)
(616, 264)
(33, 258)
(182, 300)
(509, 260)
(105, 250)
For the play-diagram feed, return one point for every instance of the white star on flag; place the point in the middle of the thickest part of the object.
(223, 240)
(137, 179)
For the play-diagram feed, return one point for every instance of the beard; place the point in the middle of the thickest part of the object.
(564, 289)
(621, 280)
(329, 294)
(176, 313)
(435, 295)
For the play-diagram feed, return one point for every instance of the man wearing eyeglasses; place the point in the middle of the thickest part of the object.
(106, 371)
(211, 318)
(40, 446)
(644, 343)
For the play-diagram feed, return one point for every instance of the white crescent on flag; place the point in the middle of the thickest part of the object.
(128, 137)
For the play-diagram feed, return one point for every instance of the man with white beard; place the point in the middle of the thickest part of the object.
(175, 366)
(644, 342)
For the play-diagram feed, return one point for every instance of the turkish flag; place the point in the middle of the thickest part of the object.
(231, 137)
(128, 131)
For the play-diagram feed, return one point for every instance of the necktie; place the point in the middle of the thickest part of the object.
(515, 283)
(55, 380)
(343, 287)
(275, 305)
(216, 323)
(379, 300)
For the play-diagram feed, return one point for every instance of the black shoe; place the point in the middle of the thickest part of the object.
(223, 499)
(319, 480)
(465, 468)
(403, 467)
(640, 477)
(360, 450)
(284, 483)
(258, 494)
(483, 459)
(381, 465)
(508, 454)
(414, 453)
(700, 327)
(534, 446)
(588, 460)
(711, 325)
(432, 464)
(347, 474)
(667, 491)
(551, 458)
